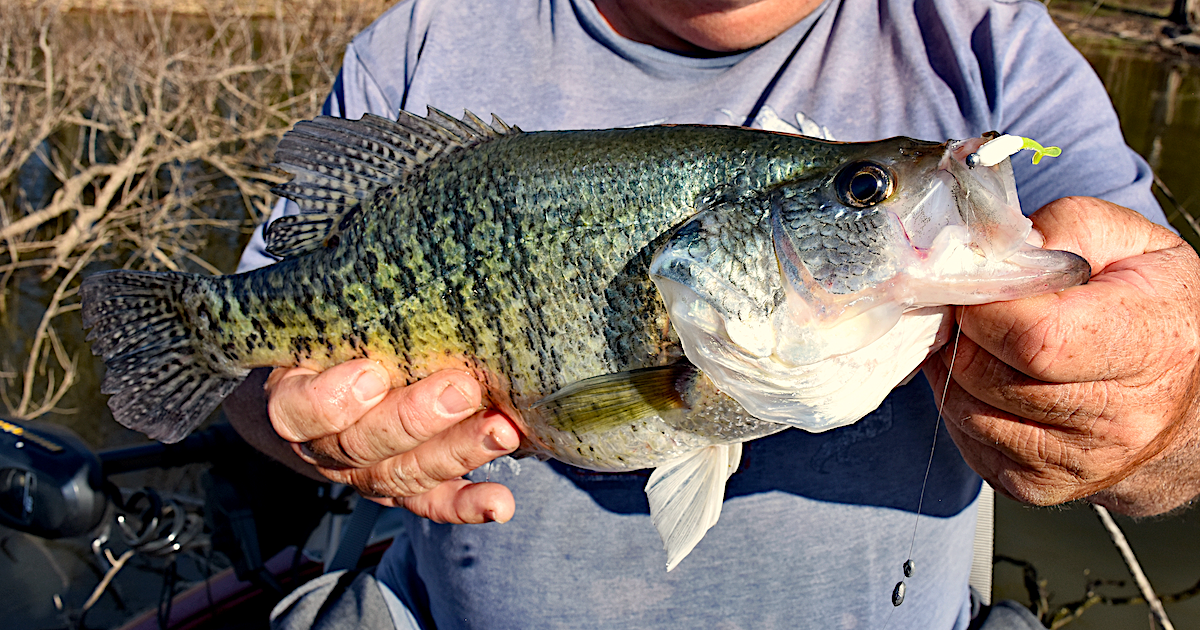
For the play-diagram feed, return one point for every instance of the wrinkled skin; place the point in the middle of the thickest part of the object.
(408, 447)
(1091, 392)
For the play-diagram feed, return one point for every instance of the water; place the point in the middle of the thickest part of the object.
(1159, 107)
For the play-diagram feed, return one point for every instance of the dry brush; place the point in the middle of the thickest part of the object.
(138, 139)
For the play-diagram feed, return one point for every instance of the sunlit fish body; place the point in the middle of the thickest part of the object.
(635, 298)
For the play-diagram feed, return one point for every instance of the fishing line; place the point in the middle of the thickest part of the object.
(989, 154)
(940, 409)
(909, 567)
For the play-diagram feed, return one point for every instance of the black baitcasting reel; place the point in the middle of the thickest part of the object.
(51, 484)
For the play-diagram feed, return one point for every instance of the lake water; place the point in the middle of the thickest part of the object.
(1159, 105)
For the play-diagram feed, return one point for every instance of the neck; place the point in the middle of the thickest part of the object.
(703, 27)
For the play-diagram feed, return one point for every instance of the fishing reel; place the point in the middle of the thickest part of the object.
(51, 483)
(53, 486)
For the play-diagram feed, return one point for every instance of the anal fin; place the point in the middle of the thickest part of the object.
(686, 497)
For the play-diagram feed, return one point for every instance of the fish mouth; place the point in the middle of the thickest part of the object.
(978, 248)
(981, 200)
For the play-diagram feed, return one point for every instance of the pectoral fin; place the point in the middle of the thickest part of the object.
(686, 496)
(604, 402)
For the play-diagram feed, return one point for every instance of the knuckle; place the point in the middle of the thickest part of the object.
(329, 400)
(400, 477)
(280, 420)
(432, 510)
(356, 449)
(466, 456)
(1028, 493)
(1041, 344)
(303, 407)
(1072, 406)
(347, 476)
(1050, 483)
(282, 411)
(1035, 487)
(415, 415)
(337, 452)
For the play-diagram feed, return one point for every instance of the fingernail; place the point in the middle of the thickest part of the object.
(318, 459)
(1036, 238)
(492, 443)
(490, 517)
(369, 386)
(453, 402)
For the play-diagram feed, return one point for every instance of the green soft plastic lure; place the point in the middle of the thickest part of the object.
(994, 151)
(1039, 151)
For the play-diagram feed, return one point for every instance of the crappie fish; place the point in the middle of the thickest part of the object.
(633, 298)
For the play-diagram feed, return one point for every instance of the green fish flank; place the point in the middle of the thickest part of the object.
(521, 257)
(523, 260)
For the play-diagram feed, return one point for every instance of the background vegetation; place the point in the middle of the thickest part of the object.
(135, 137)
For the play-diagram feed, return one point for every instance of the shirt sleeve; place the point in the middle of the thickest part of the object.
(1051, 94)
(355, 93)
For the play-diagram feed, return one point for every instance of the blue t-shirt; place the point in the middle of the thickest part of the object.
(815, 527)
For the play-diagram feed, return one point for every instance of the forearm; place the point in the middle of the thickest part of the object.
(1166, 482)
(246, 409)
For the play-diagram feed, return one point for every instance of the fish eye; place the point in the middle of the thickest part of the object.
(864, 184)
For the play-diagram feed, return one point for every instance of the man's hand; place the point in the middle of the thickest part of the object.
(406, 447)
(1090, 392)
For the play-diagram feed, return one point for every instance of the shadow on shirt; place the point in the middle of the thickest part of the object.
(879, 460)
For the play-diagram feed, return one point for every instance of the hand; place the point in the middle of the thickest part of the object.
(1090, 392)
(406, 447)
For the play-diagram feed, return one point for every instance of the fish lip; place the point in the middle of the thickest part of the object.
(1073, 268)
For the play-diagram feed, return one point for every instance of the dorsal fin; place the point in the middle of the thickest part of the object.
(337, 163)
(297, 234)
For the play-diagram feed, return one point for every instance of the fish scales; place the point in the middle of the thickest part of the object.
(466, 266)
(467, 296)
(476, 265)
(633, 298)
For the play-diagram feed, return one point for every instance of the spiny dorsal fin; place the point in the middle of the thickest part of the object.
(338, 163)
(602, 402)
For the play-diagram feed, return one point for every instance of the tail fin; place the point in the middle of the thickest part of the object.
(163, 379)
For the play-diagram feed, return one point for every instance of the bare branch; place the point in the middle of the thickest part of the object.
(1135, 568)
(136, 136)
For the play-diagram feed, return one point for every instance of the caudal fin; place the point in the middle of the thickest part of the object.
(162, 377)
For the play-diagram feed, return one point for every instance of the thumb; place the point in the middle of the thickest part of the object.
(1100, 231)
